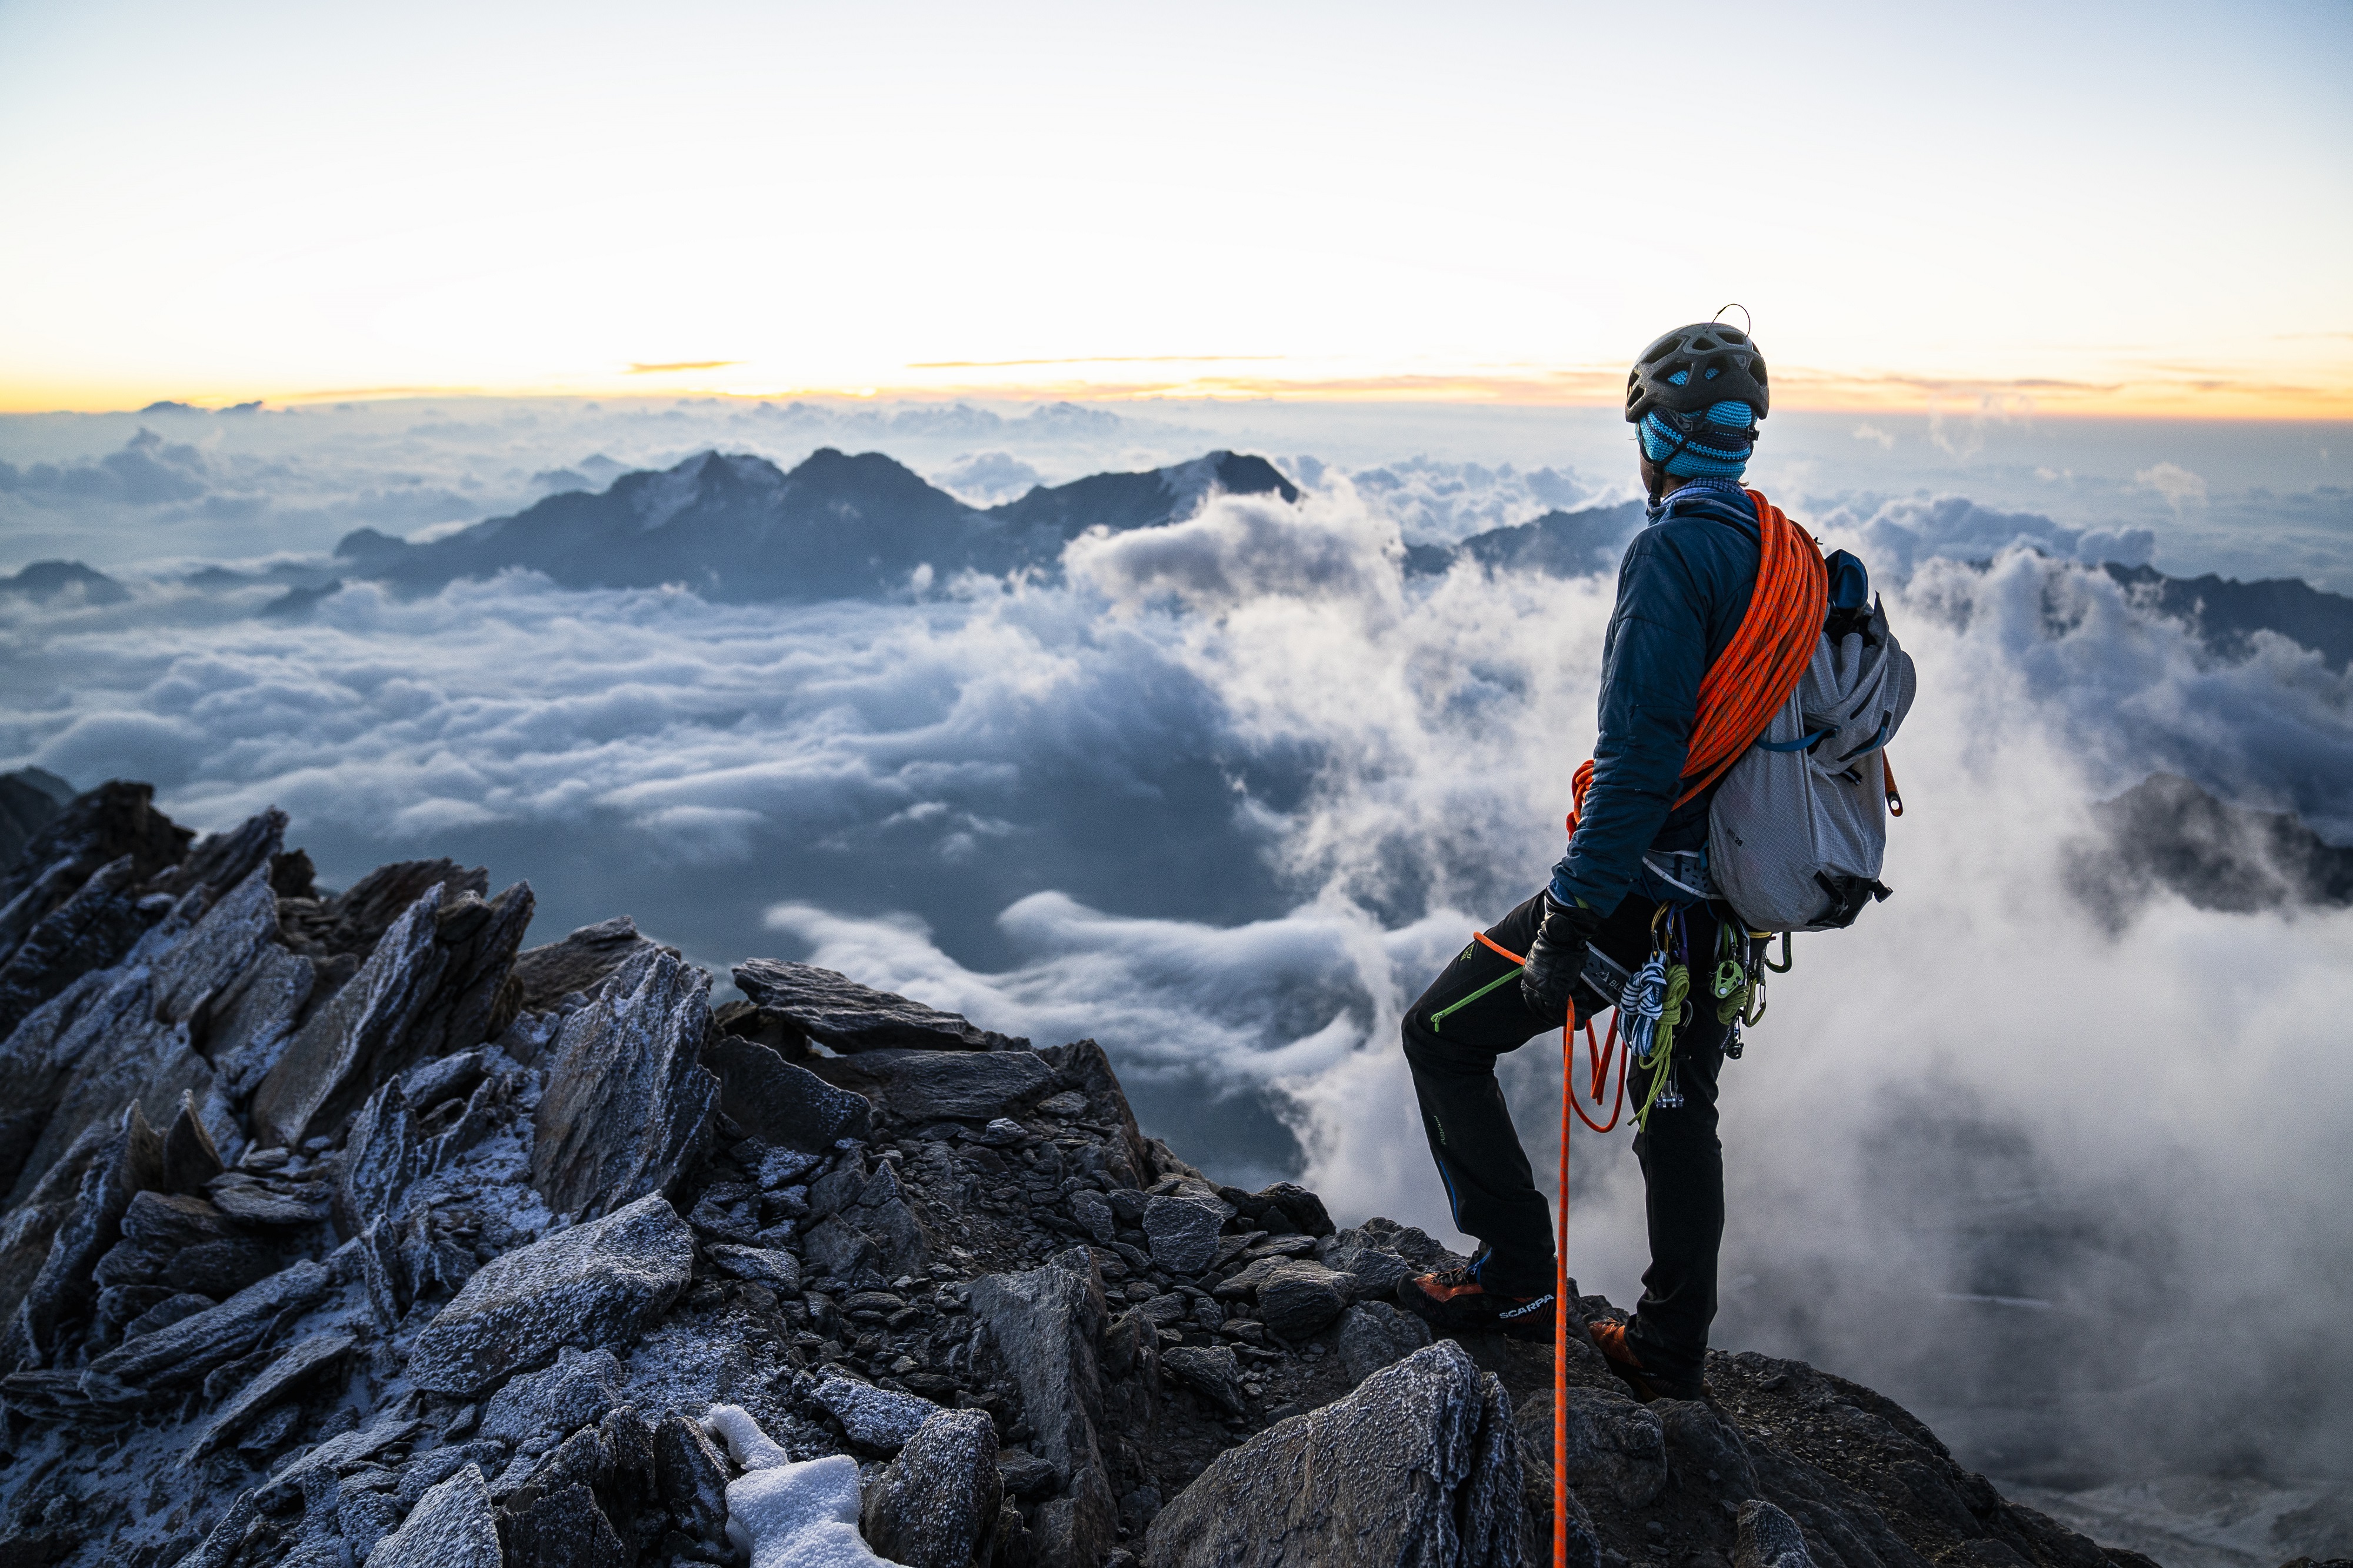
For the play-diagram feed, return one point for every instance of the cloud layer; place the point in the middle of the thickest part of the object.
(1227, 798)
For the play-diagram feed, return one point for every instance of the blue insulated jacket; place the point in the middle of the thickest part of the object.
(1682, 591)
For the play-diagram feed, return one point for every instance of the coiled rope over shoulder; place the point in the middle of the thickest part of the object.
(1759, 667)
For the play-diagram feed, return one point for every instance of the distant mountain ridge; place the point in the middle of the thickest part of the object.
(737, 528)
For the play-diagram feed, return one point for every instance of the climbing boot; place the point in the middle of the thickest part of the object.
(1454, 1302)
(1645, 1385)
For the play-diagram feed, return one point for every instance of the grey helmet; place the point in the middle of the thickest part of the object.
(1720, 364)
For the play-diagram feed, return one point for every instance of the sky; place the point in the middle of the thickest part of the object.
(2097, 208)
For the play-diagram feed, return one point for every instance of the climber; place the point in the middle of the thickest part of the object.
(1694, 398)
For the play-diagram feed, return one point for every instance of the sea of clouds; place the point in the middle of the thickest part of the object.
(1228, 794)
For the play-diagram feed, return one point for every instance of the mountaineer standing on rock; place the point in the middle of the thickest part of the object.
(1686, 692)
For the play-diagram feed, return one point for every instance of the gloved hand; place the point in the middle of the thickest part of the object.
(1557, 957)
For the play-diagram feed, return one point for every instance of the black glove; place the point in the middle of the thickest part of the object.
(1556, 958)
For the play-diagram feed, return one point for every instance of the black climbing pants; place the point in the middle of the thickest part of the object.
(1486, 1172)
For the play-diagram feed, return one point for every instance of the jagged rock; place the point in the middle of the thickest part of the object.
(1375, 1334)
(303, 1363)
(596, 1284)
(131, 1160)
(1705, 1450)
(763, 1265)
(577, 1390)
(134, 1041)
(166, 1312)
(935, 1500)
(628, 1103)
(249, 1027)
(1300, 1299)
(873, 1418)
(90, 931)
(218, 950)
(190, 1158)
(1617, 1445)
(1210, 1371)
(780, 1103)
(435, 983)
(241, 1198)
(116, 819)
(940, 1086)
(32, 1227)
(1418, 1465)
(452, 1526)
(851, 1017)
(1093, 1211)
(355, 921)
(563, 1529)
(1045, 1324)
(1182, 1232)
(30, 798)
(1303, 1208)
(1024, 1473)
(225, 859)
(357, 1026)
(1769, 1538)
(431, 1082)
(185, 1350)
(1532, 1423)
(581, 961)
(691, 1478)
(383, 1154)
(33, 1071)
(219, 1269)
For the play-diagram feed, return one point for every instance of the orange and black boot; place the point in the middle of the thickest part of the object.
(1610, 1337)
(1454, 1302)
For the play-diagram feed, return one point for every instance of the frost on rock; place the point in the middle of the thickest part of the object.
(452, 1526)
(628, 1103)
(596, 1284)
(873, 1418)
(403, 1280)
(1393, 1473)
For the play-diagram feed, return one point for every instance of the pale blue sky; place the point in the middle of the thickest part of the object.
(276, 200)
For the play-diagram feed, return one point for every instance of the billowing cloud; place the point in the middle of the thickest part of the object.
(1227, 797)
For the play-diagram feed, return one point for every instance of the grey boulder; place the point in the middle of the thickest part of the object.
(873, 1418)
(1376, 1334)
(1182, 1232)
(628, 1101)
(933, 1502)
(452, 1526)
(1418, 1465)
(1301, 1299)
(1616, 1446)
(779, 1104)
(1210, 1371)
(596, 1284)
(1767, 1538)
(557, 1401)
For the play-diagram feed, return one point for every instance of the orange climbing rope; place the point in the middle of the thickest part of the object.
(1599, 1056)
(1737, 697)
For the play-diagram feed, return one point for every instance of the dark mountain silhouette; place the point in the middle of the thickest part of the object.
(1558, 543)
(2167, 833)
(47, 579)
(738, 528)
(2226, 613)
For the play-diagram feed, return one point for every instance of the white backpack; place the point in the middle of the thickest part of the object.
(1798, 831)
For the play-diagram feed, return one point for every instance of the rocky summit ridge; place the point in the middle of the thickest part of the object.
(345, 1227)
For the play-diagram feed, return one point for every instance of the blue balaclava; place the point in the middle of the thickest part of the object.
(1712, 444)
